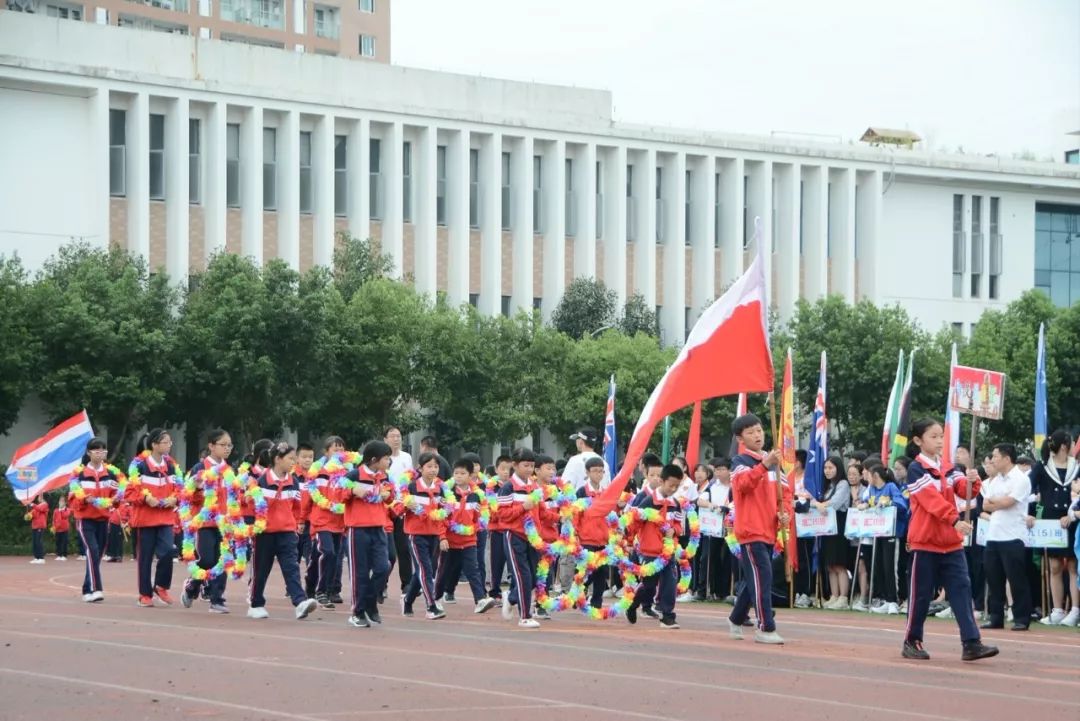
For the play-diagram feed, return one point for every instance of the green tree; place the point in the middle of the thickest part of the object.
(106, 329)
(586, 307)
(20, 349)
(1063, 354)
(357, 261)
(637, 317)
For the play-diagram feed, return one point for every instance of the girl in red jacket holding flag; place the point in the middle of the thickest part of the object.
(935, 536)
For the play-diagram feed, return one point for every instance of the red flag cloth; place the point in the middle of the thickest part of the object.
(741, 409)
(726, 353)
(693, 443)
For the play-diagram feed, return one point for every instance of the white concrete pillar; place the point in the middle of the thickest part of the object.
(288, 195)
(788, 205)
(251, 182)
(491, 225)
(177, 191)
(426, 187)
(869, 225)
(299, 19)
(673, 320)
(645, 238)
(322, 168)
(732, 172)
(138, 175)
(358, 171)
(759, 203)
(457, 218)
(392, 167)
(554, 209)
(702, 235)
(521, 221)
(215, 198)
(842, 224)
(586, 191)
(815, 223)
(614, 271)
(99, 232)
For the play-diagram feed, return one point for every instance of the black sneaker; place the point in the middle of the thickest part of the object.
(631, 615)
(992, 625)
(382, 598)
(668, 622)
(914, 650)
(974, 650)
(406, 608)
(336, 598)
(359, 621)
(651, 613)
(374, 617)
(324, 601)
(541, 614)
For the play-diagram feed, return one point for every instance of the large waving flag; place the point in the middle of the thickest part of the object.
(726, 353)
(818, 451)
(902, 428)
(787, 420)
(891, 411)
(46, 463)
(611, 445)
(1040, 391)
(952, 419)
(693, 443)
(742, 407)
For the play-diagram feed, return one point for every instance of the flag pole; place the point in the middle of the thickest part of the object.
(780, 495)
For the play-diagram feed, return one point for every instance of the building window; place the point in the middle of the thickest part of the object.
(367, 6)
(157, 157)
(232, 165)
(538, 184)
(716, 211)
(599, 202)
(959, 247)
(686, 207)
(976, 246)
(1072, 157)
(958, 330)
(506, 306)
(571, 207)
(194, 160)
(269, 169)
(506, 191)
(65, 12)
(995, 248)
(341, 176)
(374, 173)
(474, 299)
(367, 46)
(117, 152)
(440, 185)
(686, 322)
(327, 22)
(631, 215)
(536, 303)
(474, 188)
(306, 191)
(263, 13)
(747, 231)
(406, 182)
(659, 205)
(1057, 252)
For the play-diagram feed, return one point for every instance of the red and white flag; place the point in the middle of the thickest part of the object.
(726, 353)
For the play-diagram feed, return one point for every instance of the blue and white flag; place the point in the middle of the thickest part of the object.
(611, 446)
(46, 463)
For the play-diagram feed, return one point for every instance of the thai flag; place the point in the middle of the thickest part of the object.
(46, 463)
(611, 446)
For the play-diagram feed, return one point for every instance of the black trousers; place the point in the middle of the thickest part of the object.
(885, 569)
(279, 545)
(661, 587)
(599, 581)
(452, 564)
(61, 544)
(401, 550)
(324, 570)
(974, 556)
(207, 552)
(154, 542)
(804, 577)
(92, 533)
(522, 558)
(721, 567)
(37, 539)
(115, 544)
(1004, 561)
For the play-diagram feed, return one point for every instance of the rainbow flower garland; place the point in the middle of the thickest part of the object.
(134, 480)
(333, 467)
(344, 482)
(76, 490)
(483, 511)
(232, 550)
(433, 512)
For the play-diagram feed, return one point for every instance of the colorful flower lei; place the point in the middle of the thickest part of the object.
(134, 480)
(333, 467)
(440, 511)
(344, 482)
(483, 512)
(76, 490)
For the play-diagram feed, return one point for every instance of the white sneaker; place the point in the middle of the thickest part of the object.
(528, 623)
(802, 601)
(80, 557)
(1072, 618)
(859, 605)
(619, 593)
(61, 558)
(484, 605)
(259, 612)
(1056, 617)
(37, 561)
(947, 613)
(769, 637)
(685, 598)
(890, 608)
(88, 598)
(735, 631)
(98, 596)
(507, 609)
(1008, 616)
(609, 594)
(306, 607)
(903, 607)
(556, 589)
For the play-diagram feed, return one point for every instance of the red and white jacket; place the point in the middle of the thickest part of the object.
(649, 534)
(282, 501)
(753, 489)
(933, 491)
(424, 498)
(61, 520)
(322, 519)
(200, 492)
(511, 512)
(159, 480)
(361, 513)
(99, 483)
(467, 513)
(39, 516)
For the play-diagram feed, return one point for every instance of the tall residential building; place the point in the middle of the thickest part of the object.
(346, 28)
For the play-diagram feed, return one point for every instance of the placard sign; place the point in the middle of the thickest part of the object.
(815, 523)
(977, 391)
(1044, 534)
(712, 523)
(871, 523)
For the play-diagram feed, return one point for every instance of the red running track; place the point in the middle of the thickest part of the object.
(61, 658)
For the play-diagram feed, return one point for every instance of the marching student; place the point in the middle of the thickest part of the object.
(758, 517)
(460, 556)
(278, 540)
(478, 485)
(258, 460)
(516, 498)
(61, 526)
(497, 530)
(1051, 481)
(883, 493)
(548, 527)
(153, 492)
(323, 578)
(38, 515)
(208, 537)
(593, 532)
(366, 518)
(649, 536)
(426, 536)
(91, 493)
(305, 456)
(652, 467)
(935, 535)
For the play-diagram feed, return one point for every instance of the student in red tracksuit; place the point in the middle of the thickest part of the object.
(278, 540)
(366, 519)
(305, 456)
(61, 526)
(323, 578)
(549, 518)
(649, 537)
(935, 535)
(516, 498)
(153, 492)
(208, 537)
(426, 536)
(758, 516)
(258, 460)
(593, 531)
(94, 481)
(461, 555)
(38, 515)
(496, 535)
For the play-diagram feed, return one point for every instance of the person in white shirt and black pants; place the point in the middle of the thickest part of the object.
(1005, 502)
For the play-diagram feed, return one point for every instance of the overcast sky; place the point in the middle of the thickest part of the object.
(989, 75)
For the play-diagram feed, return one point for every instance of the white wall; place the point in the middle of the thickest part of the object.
(32, 424)
(44, 172)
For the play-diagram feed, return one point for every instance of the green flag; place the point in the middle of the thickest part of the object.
(892, 412)
(901, 430)
(665, 452)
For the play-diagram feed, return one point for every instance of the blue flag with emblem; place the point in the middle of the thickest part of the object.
(611, 446)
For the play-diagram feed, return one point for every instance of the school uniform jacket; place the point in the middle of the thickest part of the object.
(159, 480)
(39, 515)
(247, 505)
(753, 491)
(96, 484)
(202, 485)
(359, 512)
(61, 520)
(933, 490)
(425, 497)
(649, 534)
(322, 519)
(467, 513)
(512, 511)
(592, 531)
(282, 501)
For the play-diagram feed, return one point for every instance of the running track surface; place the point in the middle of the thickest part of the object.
(61, 658)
